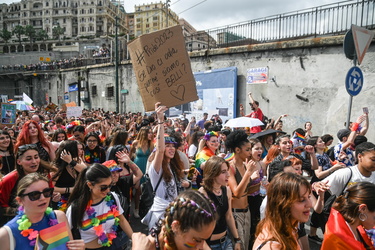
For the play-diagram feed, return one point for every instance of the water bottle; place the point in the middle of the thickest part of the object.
(263, 183)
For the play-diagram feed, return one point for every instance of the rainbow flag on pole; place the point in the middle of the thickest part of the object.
(53, 238)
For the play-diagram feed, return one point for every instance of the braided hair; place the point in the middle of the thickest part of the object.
(192, 210)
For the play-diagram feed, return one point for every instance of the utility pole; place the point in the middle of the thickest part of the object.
(116, 67)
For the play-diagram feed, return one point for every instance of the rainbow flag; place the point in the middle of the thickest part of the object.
(300, 137)
(229, 157)
(53, 238)
(338, 235)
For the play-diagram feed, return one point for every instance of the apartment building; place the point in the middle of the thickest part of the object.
(78, 18)
(152, 17)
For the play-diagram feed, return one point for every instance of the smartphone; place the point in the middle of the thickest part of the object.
(365, 110)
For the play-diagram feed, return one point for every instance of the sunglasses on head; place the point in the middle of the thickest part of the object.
(35, 195)
(22, 149)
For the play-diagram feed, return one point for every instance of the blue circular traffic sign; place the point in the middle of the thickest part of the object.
(354, 81)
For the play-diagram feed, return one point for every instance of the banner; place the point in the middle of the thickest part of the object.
(8, 113)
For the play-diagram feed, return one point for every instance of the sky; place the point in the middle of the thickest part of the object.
(208, 14)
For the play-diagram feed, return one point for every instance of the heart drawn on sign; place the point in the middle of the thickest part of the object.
(179, 94)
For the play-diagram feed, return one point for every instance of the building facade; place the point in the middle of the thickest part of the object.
(78, 18)
(152, 17)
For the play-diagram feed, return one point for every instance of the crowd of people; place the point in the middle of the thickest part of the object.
(79, 61)
(214, 187)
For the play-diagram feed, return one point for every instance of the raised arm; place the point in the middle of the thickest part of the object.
(160, 143)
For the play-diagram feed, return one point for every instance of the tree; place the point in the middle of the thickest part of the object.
(5, 35)
(30, 32)
(41, 35)
(19, 31)
(57, 32)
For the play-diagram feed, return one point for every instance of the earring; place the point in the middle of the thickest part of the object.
(362, 217)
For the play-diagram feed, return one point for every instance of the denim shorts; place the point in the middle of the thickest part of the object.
(225, 245)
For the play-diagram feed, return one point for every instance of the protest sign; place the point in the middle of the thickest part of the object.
(8, 113)
(162, 68)
(73, 111)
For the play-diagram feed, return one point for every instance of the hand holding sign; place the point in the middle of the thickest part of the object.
(162, 68)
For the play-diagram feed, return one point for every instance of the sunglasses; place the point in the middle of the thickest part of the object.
(35, 195)
(104, 188)
(22, 149)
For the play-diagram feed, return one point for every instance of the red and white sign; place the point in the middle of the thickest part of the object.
(362, 40)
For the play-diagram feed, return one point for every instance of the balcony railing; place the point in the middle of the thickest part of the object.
(331, 19)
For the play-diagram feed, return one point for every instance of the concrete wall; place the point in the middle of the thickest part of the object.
(312, 68)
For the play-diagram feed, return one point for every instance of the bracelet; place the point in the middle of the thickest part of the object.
(160, 122)
(73, 163)
(237, 240)
(355, 126)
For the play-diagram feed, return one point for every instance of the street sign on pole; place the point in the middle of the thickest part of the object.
(354, 81)
(362, 40)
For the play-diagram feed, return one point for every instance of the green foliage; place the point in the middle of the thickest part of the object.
(41, 35)
(30, 32)
(19, 31)
(57, 32)
(6, 35)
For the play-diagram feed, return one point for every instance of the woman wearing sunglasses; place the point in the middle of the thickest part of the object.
(27, 162)
(166, 169)
(95, 213)
(93, 152)
(33, 196)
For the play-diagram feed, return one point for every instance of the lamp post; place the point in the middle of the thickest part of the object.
(116, 67)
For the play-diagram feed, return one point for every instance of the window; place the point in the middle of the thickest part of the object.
(147, 25)
(94, 91)
(110, 91)
(155, 18)
(64, 20)
(47, 4)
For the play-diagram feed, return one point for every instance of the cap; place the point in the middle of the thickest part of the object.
(112, 166)
(343, 133)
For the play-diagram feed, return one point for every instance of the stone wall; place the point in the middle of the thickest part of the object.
(312, 68)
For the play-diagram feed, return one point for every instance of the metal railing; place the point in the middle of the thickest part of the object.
(331, 19)
(53, 66)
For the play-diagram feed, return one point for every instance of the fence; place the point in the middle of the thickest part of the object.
(331, 19)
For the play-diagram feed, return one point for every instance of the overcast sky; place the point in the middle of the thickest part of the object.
(209, 14)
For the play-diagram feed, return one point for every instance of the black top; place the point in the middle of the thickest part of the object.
(43, 154)
(65, 179)
(221, 203)
(8, 164)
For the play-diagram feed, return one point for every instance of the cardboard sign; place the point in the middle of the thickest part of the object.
(162, 68)
(73, 111)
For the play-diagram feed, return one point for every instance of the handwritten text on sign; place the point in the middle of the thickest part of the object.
(162, 68)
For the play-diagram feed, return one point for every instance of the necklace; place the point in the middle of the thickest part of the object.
(24, 224)
(105, 239)
(219, 198)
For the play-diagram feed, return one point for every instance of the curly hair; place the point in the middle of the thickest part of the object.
(236, 139)
(24, 136)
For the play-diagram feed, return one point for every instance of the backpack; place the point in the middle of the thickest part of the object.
(147, 196)
(329, 202)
